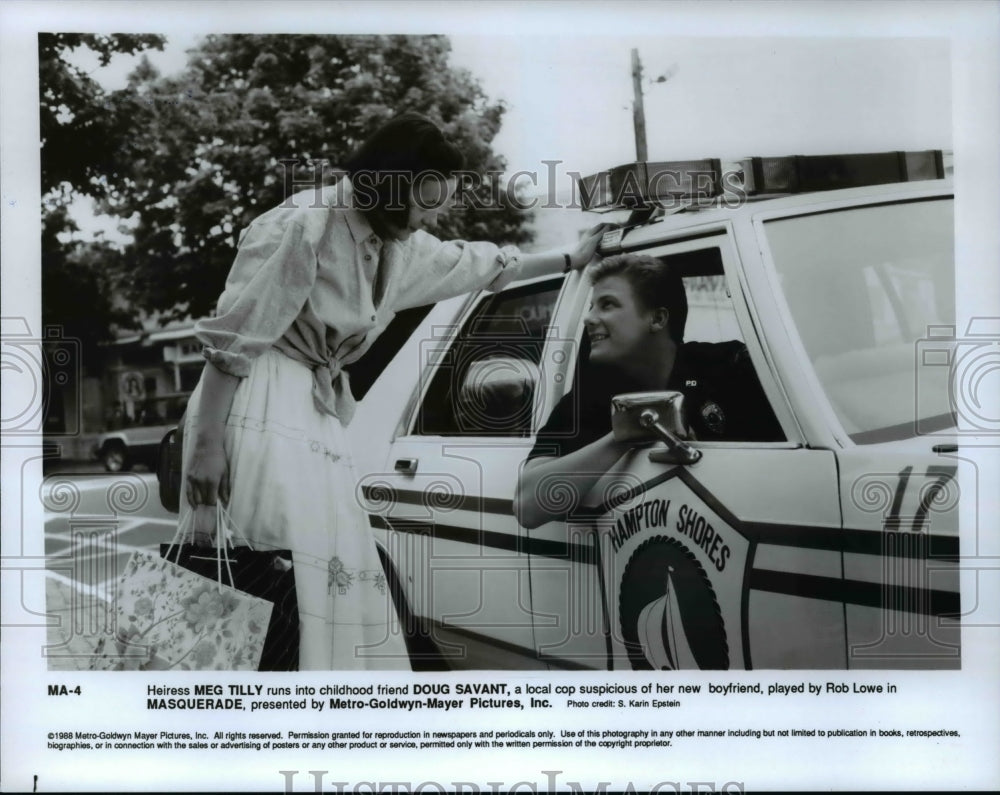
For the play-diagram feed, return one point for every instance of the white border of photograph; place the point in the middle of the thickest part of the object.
(965, 700)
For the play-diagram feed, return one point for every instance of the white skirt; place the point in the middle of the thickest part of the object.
(293, 487)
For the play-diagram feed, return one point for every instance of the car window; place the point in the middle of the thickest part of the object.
(729, 387)
(484, 382)
(723, 386)
(711, 317)
(864, 286)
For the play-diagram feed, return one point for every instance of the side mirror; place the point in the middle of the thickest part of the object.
(650, 416)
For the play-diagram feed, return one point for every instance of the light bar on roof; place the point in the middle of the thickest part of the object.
(684, 182)
(643, 184)
(807, 173)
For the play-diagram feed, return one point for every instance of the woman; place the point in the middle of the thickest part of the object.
(315, 281)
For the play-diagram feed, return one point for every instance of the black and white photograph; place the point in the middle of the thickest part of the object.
(493, 397)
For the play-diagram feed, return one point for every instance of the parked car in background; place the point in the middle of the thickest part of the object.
(135, 434)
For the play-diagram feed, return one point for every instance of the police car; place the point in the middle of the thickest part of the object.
(831, 544)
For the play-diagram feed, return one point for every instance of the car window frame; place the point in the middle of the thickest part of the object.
(721, 235)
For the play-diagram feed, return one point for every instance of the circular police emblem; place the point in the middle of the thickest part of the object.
(670, 616)
(713, 417)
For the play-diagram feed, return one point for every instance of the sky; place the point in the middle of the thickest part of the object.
(745, 78)
(570, 98)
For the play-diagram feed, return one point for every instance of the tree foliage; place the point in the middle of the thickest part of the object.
(82, 129)
(78, 285)
(217, 139)
(82, 126)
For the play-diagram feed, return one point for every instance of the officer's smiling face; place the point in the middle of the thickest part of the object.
(616, 323)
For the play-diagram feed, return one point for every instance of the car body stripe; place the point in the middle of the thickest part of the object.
(577, 553)
(864, 542)
(455, 502)
(855, 592)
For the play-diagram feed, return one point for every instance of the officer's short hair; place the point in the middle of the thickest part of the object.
(654, 283)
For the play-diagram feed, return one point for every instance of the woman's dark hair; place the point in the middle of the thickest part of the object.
(654, 283)
(385, 166)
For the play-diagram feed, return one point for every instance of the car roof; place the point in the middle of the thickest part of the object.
(683, 223)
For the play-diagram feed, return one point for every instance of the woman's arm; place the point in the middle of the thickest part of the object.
(270, 281)
(449, 268)
(207, 469)
(577, 471)
(580, 256)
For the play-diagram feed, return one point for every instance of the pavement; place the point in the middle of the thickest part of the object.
(79, 466)
(79, 616)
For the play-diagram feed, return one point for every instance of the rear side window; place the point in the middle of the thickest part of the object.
(865, 286)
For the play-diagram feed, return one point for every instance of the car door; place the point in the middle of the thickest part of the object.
(446, 495)
(720, 564)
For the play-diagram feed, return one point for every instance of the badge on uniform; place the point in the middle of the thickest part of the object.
(714, 417)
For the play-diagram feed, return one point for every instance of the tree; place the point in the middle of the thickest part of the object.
(79, 285)
(81, 125)
(82, 130)
(219, 139)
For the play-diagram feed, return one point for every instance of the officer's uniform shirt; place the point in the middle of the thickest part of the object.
(723, 400)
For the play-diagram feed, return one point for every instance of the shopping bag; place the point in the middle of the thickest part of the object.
(267, 574)
(168, 617)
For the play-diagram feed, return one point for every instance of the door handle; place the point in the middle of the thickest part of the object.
(408, 466)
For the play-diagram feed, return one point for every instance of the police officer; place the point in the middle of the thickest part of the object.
(635, 330)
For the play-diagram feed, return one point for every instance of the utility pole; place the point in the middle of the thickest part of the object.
(638, 113)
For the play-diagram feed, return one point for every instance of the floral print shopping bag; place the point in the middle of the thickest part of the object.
(171, 618)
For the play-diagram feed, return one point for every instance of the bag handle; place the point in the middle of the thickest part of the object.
(223, 521)
(182, 530)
